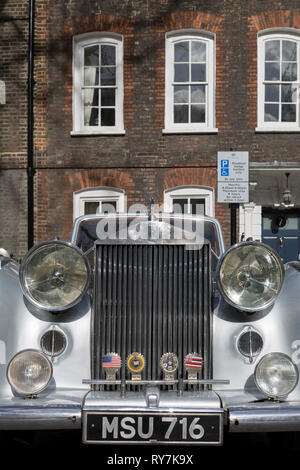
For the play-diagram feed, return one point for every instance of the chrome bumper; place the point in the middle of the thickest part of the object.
(58, 410)
(249, 412)
(265, 417)
(64, 409)
(26, 418)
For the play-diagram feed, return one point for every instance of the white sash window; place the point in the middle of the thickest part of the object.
(98, 200)
(190, 82)
(98, 84)
(278, 80)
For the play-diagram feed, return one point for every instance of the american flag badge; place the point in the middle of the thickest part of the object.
(169, 365)
(136, 364)
(111, 364)
(193, 363)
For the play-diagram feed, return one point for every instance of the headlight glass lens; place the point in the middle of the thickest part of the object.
(54, 275)
(29, 372)
(276, 375)
(250, 276)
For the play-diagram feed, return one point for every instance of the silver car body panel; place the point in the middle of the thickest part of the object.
(61, 404)
(22, 325)
(279, 327)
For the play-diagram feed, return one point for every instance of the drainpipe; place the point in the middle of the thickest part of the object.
(30, 123)
(233, 207)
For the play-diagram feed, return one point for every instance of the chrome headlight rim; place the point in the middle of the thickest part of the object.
(219, 283)
(41, 389)
(33, 301)
(286, 356)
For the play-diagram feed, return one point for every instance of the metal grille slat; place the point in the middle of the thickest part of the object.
(151, 299)
(154, 315)
(195, 303)
(148, 256)
(129, 304)
(140, 297)
(123, 304)
(119, 305)
(165, 286)
(206, 325)
(114, 296)
(102, 297)
(108, 297)
(180, 305)
(175, 301)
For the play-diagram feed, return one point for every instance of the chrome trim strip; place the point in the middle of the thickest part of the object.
(273, 418)
(156, 382)
(142, 409)
(40, 417)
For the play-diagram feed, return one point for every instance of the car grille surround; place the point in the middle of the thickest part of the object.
(152, 299)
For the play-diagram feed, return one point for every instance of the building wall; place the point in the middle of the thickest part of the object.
(57, 199)
(13, 126)
(144, 160)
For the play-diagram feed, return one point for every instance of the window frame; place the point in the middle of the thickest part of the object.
(263, 36)
(191, 192)
(80, 42)
(188, 35)
(97, 194)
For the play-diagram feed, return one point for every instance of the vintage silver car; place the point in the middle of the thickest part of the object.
(143, 329)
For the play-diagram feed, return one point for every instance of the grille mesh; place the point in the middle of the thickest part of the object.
(53, 342)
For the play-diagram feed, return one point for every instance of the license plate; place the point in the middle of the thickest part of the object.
(191, 428)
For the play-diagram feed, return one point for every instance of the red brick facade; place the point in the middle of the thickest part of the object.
(144, 160)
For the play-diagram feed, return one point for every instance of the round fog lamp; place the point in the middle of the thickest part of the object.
(276, 375)
(29, 372)
(250, 276)
(54, 275)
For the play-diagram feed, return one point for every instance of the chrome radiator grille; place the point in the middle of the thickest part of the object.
(151, 299)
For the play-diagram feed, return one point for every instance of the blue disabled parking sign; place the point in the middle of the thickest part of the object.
(224, 167)
(233, 177)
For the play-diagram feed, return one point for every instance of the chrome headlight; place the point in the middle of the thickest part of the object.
(54, 275)
(250, 276)
(276, 375)
(29, 372)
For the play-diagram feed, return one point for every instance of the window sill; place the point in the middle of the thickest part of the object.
(273, 130)
(181, 130)
(98, 132)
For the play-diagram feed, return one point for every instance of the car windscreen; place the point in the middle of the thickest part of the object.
(124, 229)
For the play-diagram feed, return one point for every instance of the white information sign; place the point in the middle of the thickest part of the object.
(233, 177)
(2, 92)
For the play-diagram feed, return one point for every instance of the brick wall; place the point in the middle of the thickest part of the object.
(144, 161)
(13, 126)
(56, 199)
(13, 211)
